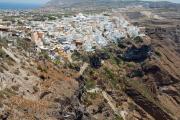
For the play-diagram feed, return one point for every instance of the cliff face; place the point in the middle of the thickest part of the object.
(162, 76)
(135, 79)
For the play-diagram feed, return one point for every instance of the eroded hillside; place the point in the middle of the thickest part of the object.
(134, 78)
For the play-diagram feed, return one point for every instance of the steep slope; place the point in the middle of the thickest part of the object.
(135, 79)
(162, 72)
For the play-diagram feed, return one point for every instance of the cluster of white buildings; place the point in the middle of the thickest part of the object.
(80, 32)
(84, 32)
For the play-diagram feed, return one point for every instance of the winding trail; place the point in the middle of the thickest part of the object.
(83, 68)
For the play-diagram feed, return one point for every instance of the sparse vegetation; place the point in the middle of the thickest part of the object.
(15, 87)
(1, 69)
(44, 55)
(93, 95)
(136, 73)
(124, 69)
(89, 84)
(132, 107)
(138, 39)
(3, 42)
(118, 118)
(17, 72)
(2, 53)
(23, 44)
(130, 65)
(144, 90)
(57, 62)
(76, 56)
(158, 54)
(111, 76)
(6, 93)
(42, 69)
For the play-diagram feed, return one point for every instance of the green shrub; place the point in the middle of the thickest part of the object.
(89, 84)
(76, 56)
(111, 76)
(2, 53)
(15, 87)
(138, 39)
(118, 117)
(3, 42)
(42, 69)
(158, 53)
(57, 62)
(136, 73)
(51, 18)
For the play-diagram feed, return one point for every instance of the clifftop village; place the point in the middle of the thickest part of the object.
(61, 36)
(90, 60)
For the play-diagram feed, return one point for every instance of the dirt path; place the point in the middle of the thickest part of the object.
(83, 68)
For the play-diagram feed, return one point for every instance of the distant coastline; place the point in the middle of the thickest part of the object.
(18, 6)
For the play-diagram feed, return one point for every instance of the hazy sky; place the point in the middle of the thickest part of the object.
(25, 1)
(175, 1)
(44, 1)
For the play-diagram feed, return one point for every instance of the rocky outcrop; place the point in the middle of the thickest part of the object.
(161, 78)
(137, 54)
(95, 61)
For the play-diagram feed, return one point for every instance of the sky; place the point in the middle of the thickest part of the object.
(44, 1)
(25, 1)
(175, 1)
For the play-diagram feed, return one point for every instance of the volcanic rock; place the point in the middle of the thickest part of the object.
(137, 54)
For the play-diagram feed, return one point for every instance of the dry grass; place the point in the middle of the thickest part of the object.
(39, 106)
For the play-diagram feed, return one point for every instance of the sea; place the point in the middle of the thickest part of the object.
(18, 6)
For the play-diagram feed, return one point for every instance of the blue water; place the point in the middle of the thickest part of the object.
(18, 6)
